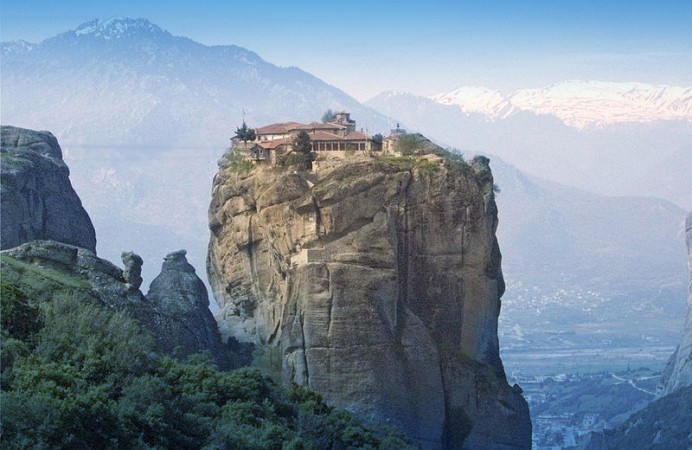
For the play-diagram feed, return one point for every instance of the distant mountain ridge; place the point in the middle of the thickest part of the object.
(579, 104)
(146, 77)
(116, 28)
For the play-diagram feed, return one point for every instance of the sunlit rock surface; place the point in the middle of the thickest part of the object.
(377, 283)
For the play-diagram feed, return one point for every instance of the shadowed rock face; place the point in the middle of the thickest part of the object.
(38, 201)
(678, 373)
(377, 284)
(180, 294)
(175, 312)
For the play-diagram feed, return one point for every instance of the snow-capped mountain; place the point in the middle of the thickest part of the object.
(473, 99)
(16, 47)
(116, 28)
(580, 104)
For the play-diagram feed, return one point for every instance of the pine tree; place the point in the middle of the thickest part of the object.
(328, 116)
(303, 146)
(245, 134)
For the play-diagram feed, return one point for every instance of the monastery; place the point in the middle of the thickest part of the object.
(336, 138)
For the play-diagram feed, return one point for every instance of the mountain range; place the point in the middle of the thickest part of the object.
(634, 152)
(579, 104)
(143, 116)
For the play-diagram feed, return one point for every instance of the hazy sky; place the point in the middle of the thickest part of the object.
(365, 47)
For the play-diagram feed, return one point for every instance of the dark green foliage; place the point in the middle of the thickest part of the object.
(377, 141)
(85, 377)
(245, 134)
(20, 322)
(292, 160)
(19, 318)
(407, 144)
(456, 157)
(96, 341)
(302, 144)
(302, 155)
(328, 116)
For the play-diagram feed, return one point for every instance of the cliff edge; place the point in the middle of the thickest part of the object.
(38, 201)
(375, 281)
(678, 373)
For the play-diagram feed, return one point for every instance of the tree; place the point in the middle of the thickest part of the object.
(245, 134)
(377, 141)
(303, 146)
(407, 144)
(328, 116)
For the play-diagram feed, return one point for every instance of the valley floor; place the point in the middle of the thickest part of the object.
(566, 407)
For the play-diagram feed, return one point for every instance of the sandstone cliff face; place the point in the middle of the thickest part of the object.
(678, 373)
(176, 313)
(376, 283)
(38, 201)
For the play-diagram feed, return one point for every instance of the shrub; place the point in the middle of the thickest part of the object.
(18, 317)
(96, 341)
(236, 162)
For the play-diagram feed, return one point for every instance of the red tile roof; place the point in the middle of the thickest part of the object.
(318, 131)
(271, 145)
(287, 127)
(357, 136)
(278, 128)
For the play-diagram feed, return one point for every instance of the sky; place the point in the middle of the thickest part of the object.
(367, 47)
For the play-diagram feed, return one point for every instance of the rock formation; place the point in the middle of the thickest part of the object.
(181, 296)
(133, 270)
(174, 315)
(38, 201)
(678, 373)
(377, 283)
